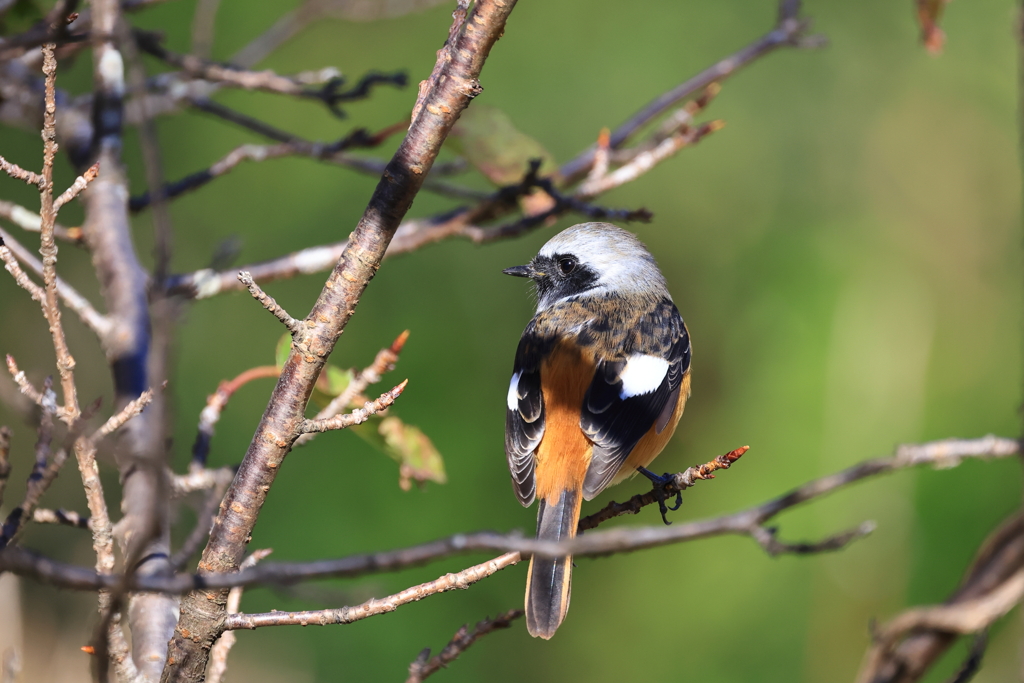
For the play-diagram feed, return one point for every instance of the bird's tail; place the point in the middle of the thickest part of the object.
(549, 581)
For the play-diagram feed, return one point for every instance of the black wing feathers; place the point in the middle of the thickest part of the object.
(524, 425)
(616, 424)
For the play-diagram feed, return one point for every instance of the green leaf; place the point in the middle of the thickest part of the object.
(489, 140)
(284, 347)
(416, 455)
(334, 380)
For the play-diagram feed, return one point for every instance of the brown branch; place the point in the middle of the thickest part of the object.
(943, 454)
(222, 648)
(448, 91)
(357, 416)
(19, 173)
(674, 135)
(425, 665)
(679, 483)
(21, 380)
(904, 650)
(374, 606)
(288, 145)
(41, 477)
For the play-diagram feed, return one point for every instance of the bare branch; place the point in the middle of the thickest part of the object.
(210, 416)
(28, 220)
(130, 410)
(382, 363)
(96, 321)
(423, 667)
(19, 173)
(904, 650)
(442, 97)
(358, 416)
(744, 523)
(374, 606)
(64, 517)
(21, 380)
(791, 31)
(678, 483)
(81, 182)
(294, 326)
(221, 649)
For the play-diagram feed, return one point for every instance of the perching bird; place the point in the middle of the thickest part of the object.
(601, 376)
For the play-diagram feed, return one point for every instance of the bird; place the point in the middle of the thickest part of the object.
(600, 380)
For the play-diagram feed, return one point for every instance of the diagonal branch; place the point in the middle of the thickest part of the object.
(442, 97)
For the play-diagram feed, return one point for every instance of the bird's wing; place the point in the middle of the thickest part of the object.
(633, 392)
(524, 420)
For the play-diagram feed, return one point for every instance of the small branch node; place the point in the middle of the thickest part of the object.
(357, 416)
(81, 182)
(294, 326)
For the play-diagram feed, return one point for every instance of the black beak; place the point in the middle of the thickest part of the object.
(519, 271)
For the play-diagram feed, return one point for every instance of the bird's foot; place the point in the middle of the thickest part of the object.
(660, 484)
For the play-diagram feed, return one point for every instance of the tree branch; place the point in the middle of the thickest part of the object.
(448, 91)
(904, 650)
(423, 667)
(374, 606)
(749, 522)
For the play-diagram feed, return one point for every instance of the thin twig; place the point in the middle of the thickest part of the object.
(425, 665)
(130, 410)
(5, 462)
(294, 326)
(215, 404)
(790, 31)
(63, 517)
(357, 416)
(96, 321)
(383, 362)
(374, 606)
(21, 380)
(81, 182)
(28, 220)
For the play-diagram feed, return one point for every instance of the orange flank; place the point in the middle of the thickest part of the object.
(652, 443)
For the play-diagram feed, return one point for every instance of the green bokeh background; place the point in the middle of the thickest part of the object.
(846, 253)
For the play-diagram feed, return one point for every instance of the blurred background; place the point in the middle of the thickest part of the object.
(846, 254)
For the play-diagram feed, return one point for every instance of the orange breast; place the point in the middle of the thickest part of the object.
(564, 453)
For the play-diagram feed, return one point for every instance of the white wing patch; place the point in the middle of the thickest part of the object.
(513, 392)
(642, 375)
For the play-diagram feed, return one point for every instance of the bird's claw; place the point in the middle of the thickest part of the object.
(660, 482)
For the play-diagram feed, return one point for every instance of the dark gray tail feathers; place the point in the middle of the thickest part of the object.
(549, 581)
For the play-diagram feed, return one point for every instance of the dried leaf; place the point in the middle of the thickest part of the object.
(418, 458)
(928, 14)
(489, 140)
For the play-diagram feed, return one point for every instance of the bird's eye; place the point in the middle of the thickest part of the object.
(566, 265)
